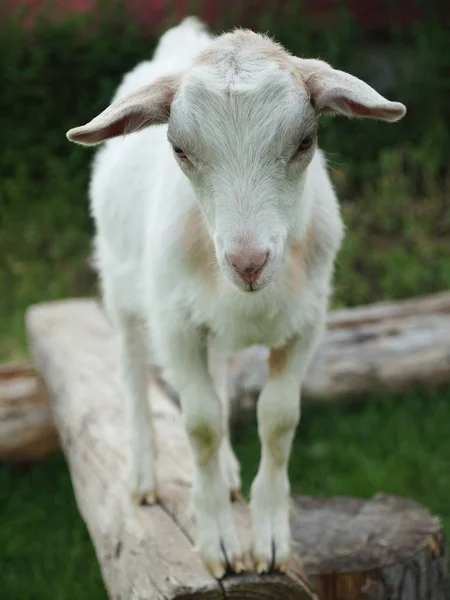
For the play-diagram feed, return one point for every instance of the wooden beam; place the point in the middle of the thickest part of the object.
(27, 431)
(387, 548)
(144, 552)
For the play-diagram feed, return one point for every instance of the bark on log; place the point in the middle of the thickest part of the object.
(27, 431)
(385, 549)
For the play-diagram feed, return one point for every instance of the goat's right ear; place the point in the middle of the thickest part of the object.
(148, 105)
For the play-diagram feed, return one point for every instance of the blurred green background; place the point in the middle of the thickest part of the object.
(393, 182)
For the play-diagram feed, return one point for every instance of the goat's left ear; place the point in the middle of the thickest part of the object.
(148, 105)
(333, 91)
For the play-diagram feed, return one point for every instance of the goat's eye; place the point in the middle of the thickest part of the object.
(179, 152)
(305, 143)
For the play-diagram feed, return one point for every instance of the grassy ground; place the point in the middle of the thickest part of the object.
(45, 550)
(394, 197)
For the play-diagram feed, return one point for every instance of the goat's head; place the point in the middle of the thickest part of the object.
(242, 122)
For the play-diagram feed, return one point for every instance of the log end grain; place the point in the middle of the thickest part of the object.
(27, 431)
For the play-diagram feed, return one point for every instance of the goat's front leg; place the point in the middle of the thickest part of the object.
(278, 416)
(184, 357)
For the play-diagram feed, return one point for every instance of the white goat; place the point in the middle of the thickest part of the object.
(215, 232)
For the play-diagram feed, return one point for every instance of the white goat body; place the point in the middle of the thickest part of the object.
(232, 246)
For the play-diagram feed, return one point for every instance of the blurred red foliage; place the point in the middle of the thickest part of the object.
(373, 15)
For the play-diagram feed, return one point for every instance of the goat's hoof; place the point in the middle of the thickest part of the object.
(216, 569)
(219, 569)
(238, 567)
(270, 525)
(262, 566)
(150, 498)
(144, 498)
(268, 563)
(283, 567)
(216, 538)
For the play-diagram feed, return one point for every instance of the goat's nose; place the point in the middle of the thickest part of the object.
(248, 263)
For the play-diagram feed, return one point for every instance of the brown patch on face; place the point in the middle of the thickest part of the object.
(297, 268)
(279, 359)
(198, 245)
(301, 257)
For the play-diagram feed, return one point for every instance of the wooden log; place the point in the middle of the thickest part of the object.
(27, 431)
(144, 552)
(385, 549)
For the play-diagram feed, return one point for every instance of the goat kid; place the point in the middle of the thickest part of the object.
(214, 232)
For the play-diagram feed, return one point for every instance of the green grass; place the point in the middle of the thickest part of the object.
(45, 550)
(45, 257)
(391, 444)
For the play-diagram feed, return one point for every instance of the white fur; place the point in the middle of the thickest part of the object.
(239, 127)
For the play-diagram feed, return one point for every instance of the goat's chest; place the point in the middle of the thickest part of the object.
(269, 318)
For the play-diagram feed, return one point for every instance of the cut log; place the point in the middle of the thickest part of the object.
(387, 548)
(27, 431)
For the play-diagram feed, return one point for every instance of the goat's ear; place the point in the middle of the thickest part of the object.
(148, 105)
(333, 91)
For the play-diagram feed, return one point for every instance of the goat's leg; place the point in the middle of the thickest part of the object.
(218, 368)
(139, 422)
(278, 416)
(183, 355)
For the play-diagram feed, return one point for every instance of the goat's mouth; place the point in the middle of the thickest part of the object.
(251, 277)
(258, 282)
(252, 287)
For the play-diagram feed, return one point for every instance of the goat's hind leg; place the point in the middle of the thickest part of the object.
(140, 443)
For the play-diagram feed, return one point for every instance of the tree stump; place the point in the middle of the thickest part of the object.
(386, 548)
(383, 549)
